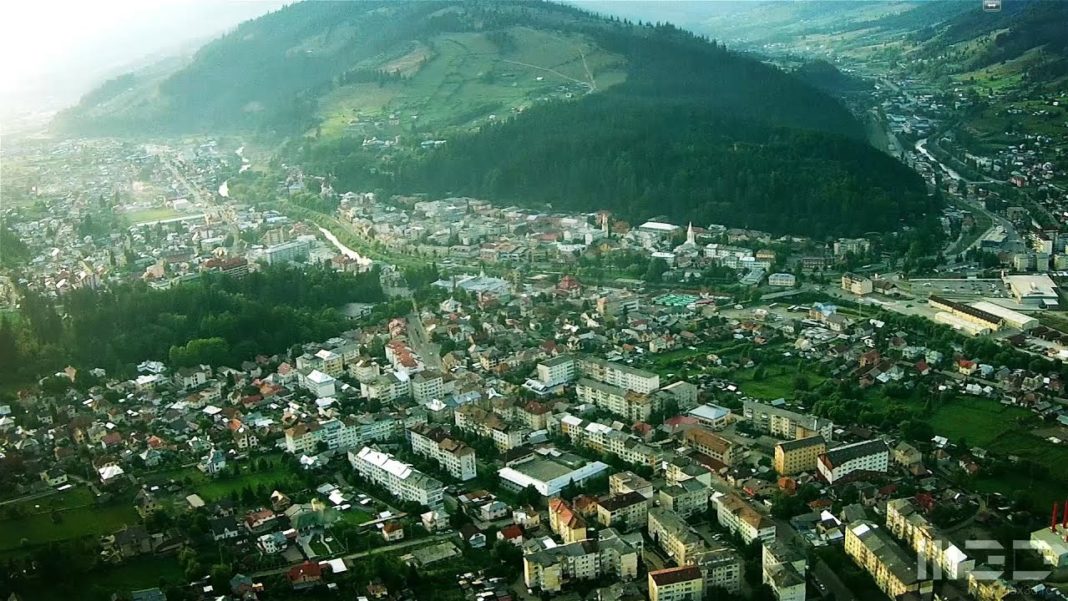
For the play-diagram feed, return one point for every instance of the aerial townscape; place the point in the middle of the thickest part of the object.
(515, 301)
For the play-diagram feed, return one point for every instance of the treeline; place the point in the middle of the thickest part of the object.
(681, 162)
(215, 319)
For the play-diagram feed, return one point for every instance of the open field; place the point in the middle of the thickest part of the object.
(154, 214)
(139, 573)
(278, 475)
(778, 382)
(979, 421)
(68, 521)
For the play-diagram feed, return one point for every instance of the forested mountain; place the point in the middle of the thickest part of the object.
(644, 118)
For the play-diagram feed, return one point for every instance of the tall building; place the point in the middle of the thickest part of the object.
(893, 570)
(551, 568)
(904, 520)
(676, 584)
(669, 530)
(632, 405)
(402, 480)
(870, 456)
(739, 517)
(783, 570)
(797, 456)
(619, 375)
(452, 455)
(783, 423)
(556, 371)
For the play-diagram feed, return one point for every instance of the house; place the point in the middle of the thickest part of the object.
(54, 477)
(145, 502)
(565, 521)
(392, 531)
(304, 576)
(470, 534)
(512, 534)
(223, 528)
(212, 463)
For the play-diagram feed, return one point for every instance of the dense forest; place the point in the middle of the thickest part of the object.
(215, 319)
(672, 159)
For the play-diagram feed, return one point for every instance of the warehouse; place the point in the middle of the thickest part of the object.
(1012, 319)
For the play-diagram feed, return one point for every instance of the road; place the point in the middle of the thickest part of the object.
(428, 351)
(829, 579)
(387, 549)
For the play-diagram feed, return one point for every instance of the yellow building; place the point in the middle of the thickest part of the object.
(797, 456)
(873, 549)
(676, 584)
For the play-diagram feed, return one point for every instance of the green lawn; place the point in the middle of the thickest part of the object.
(211, 489)
(140, 573)
(979, 421)
(778, 382)
(73, 522)
(153, 214)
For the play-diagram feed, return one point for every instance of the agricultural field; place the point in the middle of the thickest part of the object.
(464, 79)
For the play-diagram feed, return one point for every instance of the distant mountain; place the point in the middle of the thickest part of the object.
(530, 91)
(825, 76)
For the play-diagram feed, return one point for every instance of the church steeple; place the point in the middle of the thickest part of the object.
(690, 236)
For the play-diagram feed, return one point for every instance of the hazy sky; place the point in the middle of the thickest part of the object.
(52, 51)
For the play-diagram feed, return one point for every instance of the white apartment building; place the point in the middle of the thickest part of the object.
(738, 516)
(452, 455)
(631, 405)
(304, 438)
(402, 480)
(783, 423)
(387, 387)
(859, 457)
(427, 386)
(556, 371)
(619, 375)
(320, 384)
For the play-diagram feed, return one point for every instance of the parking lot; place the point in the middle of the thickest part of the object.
(971, 289)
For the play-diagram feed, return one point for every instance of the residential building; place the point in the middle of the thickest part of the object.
(565, 521)
(685, 583)
(400, 479)
(287, 251)
(619, 375)
(669, 530)
(489, 425)
(905, 521)
(800, 455)
(625, 512)
(907, 455)
(335, 434)
(710, 444)
(621, 483)
(687, 498)
(556, 371)
(721, 568)
(857, 458)
(452, 455)
(783, 423)
(551, 568)
(738, 516)
(427, 386)
(605, 439)
(857, 284)
(783, 569)
(1050, 543)
(874, 550)
(629, 404)
(320, 384)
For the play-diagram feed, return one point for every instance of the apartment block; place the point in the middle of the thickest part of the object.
(626, 512)
(710, 444)
(605, 439)
(402, 480)
(452, 455)
(738, 516)
(490, 425)
(783, 423)
(687, 498)
(427, 386)
(337, 434)
(565, 522)
(552, 568)
(798, 456)
(621, 483)
(783, 569)
(676, 584)
(874, 550)
(619, 375)
(627, 403)
(905, 521)
(669, 530)
(871, 456)
(556, 371)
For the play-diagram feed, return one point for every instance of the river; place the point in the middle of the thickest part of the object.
(348, 252)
